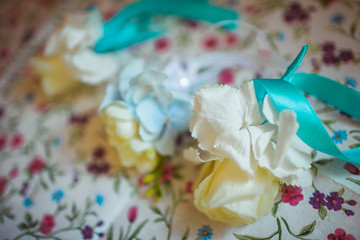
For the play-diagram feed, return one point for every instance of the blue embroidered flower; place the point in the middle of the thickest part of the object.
(57, 142)
(205, 232)
(351, 81)
(28, 203)
(339, 136)
(99, 199)
(337, 18)
(57, 196)
(281, 36)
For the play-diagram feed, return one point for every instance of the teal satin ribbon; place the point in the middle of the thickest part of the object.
(133, 24)
(286, 94)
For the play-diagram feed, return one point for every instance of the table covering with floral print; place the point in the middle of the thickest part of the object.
(60, 179)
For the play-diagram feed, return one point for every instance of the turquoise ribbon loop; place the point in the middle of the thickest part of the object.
(285, 94)
(132, 24)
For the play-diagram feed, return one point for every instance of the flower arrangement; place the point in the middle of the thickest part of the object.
(68, 58)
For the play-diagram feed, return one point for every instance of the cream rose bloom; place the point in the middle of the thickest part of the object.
(247, 153)
(122, 133)
(225, 193)
(69, 59)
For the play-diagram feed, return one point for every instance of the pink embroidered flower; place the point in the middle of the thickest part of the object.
(3, 140)
(231, 40)
(340, 234)
(132, 214)
(13, 173)
(47, 224)
(210, 43)
(291, 195)
(36, 165)
(351, 168)
(162, 45)
(226, 76)
(42, 108)
(3, 184)
(16, 141)
(168, 174)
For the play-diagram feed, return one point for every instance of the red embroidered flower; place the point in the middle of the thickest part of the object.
(3, 184)
(13, 173)
(162, 45)
(231, 40)
(340, 234)
(47, 224)
(226, 76)
(351, 168)
(42, 108)
(210, 43)
(291, 195)
(168, 173)
(36, 165)
(3, 140)
(189, 187)
(132, 214)
(16, 141)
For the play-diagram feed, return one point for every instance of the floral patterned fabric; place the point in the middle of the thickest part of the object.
(60, 179)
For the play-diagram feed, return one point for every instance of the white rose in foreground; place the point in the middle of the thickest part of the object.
(226, 193)
(248, 153)
(69, 57)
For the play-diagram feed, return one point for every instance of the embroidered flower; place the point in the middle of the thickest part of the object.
(162, 45)
(334, 201)
(47, 224)
(291, 194)
(347, 55)
(3, 184)
(99, 199)
(69, 57)
(340, 234)
(339, 136)
(210, 43)
(351, 202)
(226, 76)
(337, 18)
(28, 203)
(351, 82)
(87, 232)
(205, 232)
(57, 196)
(189, 188)
(351, 168)
(231, 40)
(16, 141)
(3, 139)
(13, 173)
(317, 200)
(349, 213)
(132, 214)
(167, 174)
(36, 165)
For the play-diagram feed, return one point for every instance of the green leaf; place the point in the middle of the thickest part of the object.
(186, 234)
(43, 184)
(308, 229)
(51, 176)
(314, 169)
(356, 145)
(137, 230)
(33, 224)
(356, 138)
(28, 217)
(313, 154)
(341, 192)
(353, 180)
(247, 237)
(275, 208)
(156, 210)
(354, 131)
(109, 234)
(353, 29)
(322, 212)
(324, 161)
(121, 234)
(159, 220)
(22, 226)
(117, 183)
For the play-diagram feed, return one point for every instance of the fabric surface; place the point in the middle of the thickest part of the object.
(60, 179)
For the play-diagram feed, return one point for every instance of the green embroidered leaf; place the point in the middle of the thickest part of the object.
(322, 212)
(313, 154)
(117, 183)
(28, 217)
(356, 145)
(109, 234)
(186, 234)
(247, 237)
(341, 192)
(156, 210)
(22, 226)
(353, 29)
(314, 169)
(353, 180)
(159, 220)
(308, 229)
(356, 138)
(324, 161)
(137, 230)
(354, 131)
